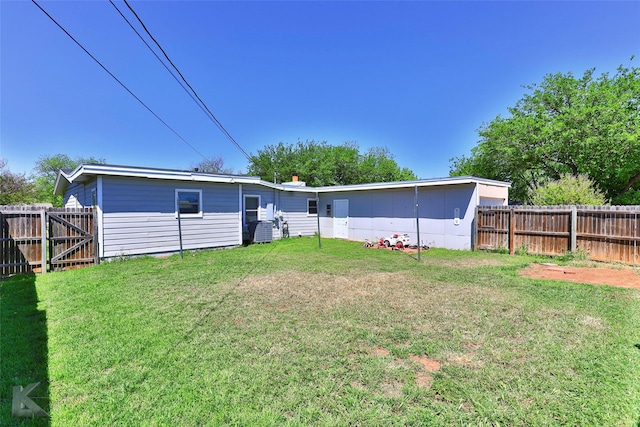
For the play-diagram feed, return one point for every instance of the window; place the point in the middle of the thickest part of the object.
(251, 206)
(312, 207)
(329, 209)
(94, 197)
(189, 203)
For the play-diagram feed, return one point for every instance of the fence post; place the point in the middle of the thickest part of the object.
(512, 231)
(574, 229)
(43, 240)
(474, 233)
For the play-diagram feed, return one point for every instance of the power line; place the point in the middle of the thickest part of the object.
(211, 115)
(157, 57)
(117, 80)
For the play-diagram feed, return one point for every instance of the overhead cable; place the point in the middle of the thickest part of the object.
(117, 80)
(211, 115)
(157, 57)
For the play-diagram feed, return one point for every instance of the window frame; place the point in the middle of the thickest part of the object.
(315, 201)
(244, 207)
(177, 203)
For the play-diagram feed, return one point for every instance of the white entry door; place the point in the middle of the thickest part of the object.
(341, 219)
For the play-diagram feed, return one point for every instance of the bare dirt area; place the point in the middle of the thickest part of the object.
(423, 373)
(622, 278)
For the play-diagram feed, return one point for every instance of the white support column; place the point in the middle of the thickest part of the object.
(100, 215)
(240, 214)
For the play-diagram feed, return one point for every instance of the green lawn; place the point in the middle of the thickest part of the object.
(289, 334)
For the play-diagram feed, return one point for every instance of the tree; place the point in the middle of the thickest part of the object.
(46, 172)
(212, 165)
(320, 164)
(588, 125)
(15, 189)
(568, 190)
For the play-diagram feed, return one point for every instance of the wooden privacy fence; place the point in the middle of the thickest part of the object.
(605, 233)
(46, 239)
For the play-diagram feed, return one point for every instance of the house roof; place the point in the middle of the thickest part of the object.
(87, 172)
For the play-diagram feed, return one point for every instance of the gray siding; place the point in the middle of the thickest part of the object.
(294, 210)
(139, 217)
(378, 213)
(266, 196)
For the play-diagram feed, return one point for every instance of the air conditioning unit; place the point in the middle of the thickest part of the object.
(261, 231)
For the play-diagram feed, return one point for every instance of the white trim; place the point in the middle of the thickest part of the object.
(100, 214)
(240, 211)
(189, 215)
(175, 175)
(244, 207)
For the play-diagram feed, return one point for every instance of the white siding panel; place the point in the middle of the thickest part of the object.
(139, 217)
(294, 208)
(379, 213)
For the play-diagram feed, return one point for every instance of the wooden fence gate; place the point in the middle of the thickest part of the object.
(37, 240)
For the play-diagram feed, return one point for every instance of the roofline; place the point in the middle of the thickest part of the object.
(192, 176)
(432, 182)
(150, 173)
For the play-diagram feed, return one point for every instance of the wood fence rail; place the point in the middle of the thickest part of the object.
(605, 233)
(37, 239)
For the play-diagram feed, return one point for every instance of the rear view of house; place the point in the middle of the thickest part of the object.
(147, 210)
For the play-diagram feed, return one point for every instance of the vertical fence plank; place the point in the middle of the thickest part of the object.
(512, 231)
(605, 233)
(31, 240)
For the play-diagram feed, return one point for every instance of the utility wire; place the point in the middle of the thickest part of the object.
(158, 58)
(117, 80)
(211, 115)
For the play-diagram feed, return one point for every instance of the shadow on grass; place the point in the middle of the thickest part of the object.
(23, 347)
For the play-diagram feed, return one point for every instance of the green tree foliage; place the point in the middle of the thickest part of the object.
(212, 165)
(319, 164)
(46, 171)
(568, 190)
(588, 125)
(15, 189)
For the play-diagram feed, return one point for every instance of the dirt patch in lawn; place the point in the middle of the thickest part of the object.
(622, 278)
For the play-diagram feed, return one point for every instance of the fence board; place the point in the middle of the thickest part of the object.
(35, 239)
(605, 233)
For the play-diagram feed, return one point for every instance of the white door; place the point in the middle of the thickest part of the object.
(341, 219)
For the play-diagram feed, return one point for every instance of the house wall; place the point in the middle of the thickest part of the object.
(294, 211)
(267, 195)
(78, 195)
(139, 217)
(375, 214)
(493, 195)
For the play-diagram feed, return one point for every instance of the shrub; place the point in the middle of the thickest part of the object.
(568, 190)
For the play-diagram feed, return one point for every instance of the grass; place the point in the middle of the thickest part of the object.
(288, 334)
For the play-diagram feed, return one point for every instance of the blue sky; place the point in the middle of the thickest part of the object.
(417, 77)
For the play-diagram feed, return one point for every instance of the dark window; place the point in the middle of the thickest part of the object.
(312, 207)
